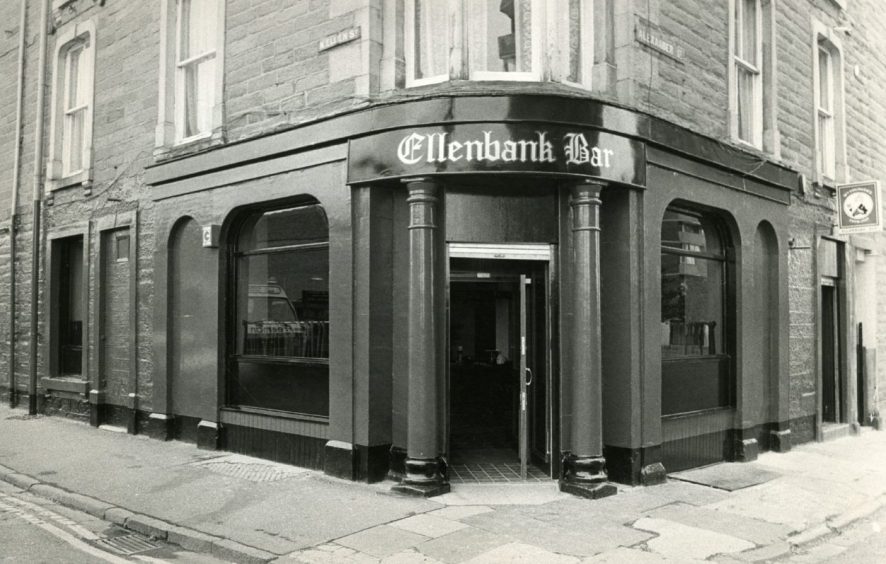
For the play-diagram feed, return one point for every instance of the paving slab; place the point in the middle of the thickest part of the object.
(329, 553)
(518, 553)
(428, 525)
(410, 556)
(462, 545)
(753, 530)
(382, 541)
(625, 555)
(672, 537)
(457, 512)
(788, 504)
(573, 535)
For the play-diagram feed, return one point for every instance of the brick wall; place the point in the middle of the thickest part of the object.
(275, 75)
(125, 114)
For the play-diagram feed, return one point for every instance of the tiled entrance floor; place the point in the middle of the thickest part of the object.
(485, 472)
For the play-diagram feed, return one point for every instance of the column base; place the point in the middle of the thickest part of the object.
(746, 450)
(159, 426)
(585, 476)
(780, 441)
(588, 491)
(207, 435)
(653, 474)
(96, 399)
(424, 478)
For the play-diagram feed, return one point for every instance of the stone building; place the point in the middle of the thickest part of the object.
(584, 240)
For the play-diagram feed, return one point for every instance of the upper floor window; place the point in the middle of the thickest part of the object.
(191, 66)
(751, 77)
(499, 40)
(195, 67)
(830, 157)
(70, 143)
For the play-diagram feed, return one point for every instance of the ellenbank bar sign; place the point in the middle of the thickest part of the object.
(478, 148)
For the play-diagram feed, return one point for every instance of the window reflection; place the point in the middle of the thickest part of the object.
(695, 366)
(282, 311)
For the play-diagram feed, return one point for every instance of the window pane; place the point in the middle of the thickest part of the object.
(749, 31)
(283, 304)
(73, 142)
(199, 94)
(283, 331)
(746, 83)
(431, 42)
(500, 38)
(824, 79)
(575, 53)
(74, 79)
(198, 27)
(688, 231)
(826, 145)
(282, 313)
(691, 306)
(738, 35)
(281, 228)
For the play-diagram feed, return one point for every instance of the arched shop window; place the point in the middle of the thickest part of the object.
(695, 313)
(281, 311)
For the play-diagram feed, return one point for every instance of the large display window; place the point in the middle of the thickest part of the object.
(696, 373)
(281, 311)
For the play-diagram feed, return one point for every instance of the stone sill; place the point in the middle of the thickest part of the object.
(66, 384)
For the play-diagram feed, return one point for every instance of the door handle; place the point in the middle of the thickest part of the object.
(529, 372)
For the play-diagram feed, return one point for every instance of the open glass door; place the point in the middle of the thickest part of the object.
(499, 420)
(525, 375)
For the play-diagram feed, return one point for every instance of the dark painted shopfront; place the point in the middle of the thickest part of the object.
(552, 285)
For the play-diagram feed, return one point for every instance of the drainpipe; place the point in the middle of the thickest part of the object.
(38, 195)
(16, 172)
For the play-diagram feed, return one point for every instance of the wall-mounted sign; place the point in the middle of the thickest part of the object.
(859, 207)
(336, 39)
(473, 148)
(650, 35)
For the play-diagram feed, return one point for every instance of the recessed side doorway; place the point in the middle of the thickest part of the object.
(500, 416)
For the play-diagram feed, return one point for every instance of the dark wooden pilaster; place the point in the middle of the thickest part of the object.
(584, 466)
(425, 469)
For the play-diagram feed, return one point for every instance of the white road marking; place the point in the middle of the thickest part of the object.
(55, 531)
(81, 531)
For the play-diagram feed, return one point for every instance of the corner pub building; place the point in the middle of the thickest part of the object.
(358, 241)
(552, 285)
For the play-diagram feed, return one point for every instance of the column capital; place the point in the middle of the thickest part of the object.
(584, 189)
(584, 199)
(423, 200)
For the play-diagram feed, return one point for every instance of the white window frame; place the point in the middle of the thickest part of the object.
(549, 59)
(170, 114)
(738, 65)
(79, 36)
(557, 41)
(409, 37)
(765, 135)
(829, 169)
(535, 58)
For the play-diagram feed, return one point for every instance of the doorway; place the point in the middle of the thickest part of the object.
(500, 412)
(832, 376)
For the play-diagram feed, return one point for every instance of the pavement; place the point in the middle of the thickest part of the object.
(245, 509)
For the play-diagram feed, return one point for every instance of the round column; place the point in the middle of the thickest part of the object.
(425, 468)
(584, 467)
